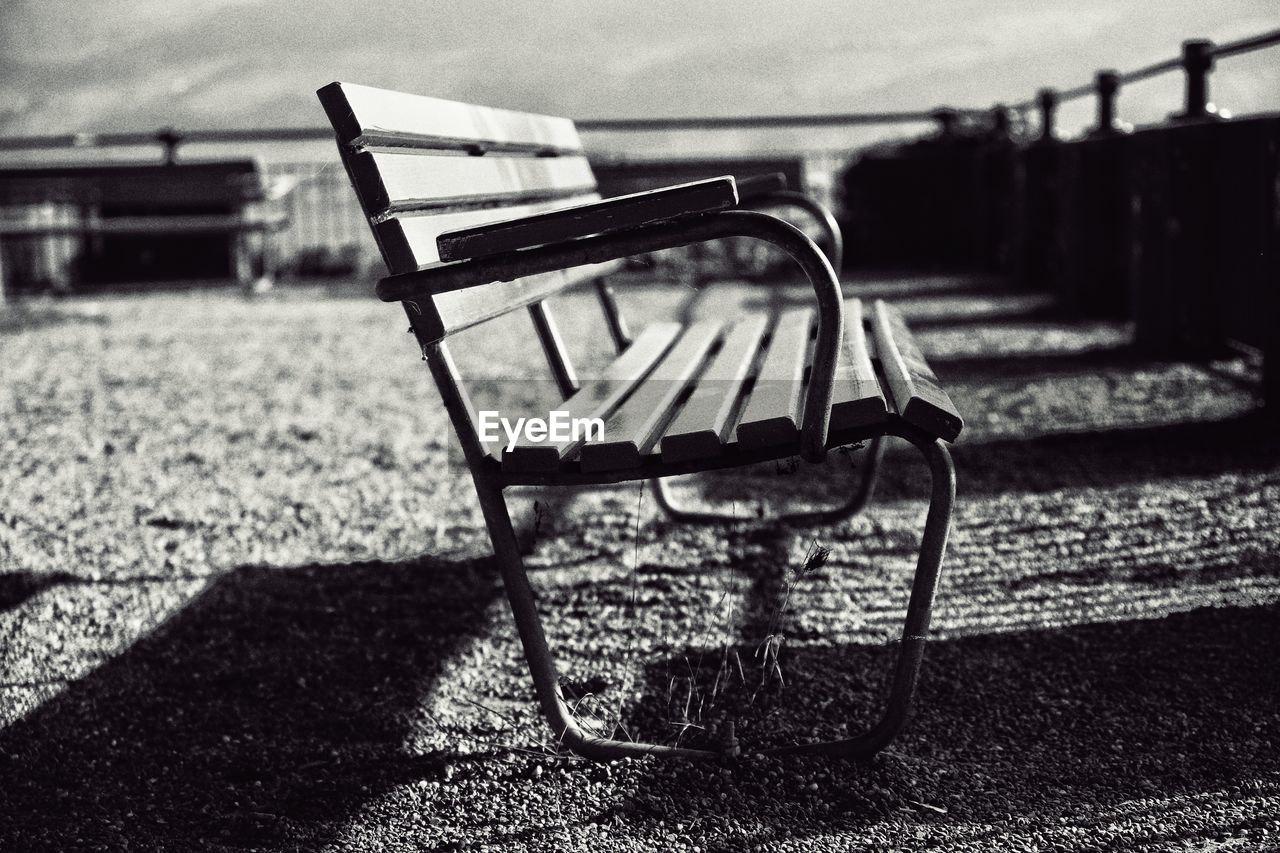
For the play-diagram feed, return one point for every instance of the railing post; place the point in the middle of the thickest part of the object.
(170, 139)
(946, 117)
(1000, 121)
(1106, 84)
(1197, 62)
(1047, 100)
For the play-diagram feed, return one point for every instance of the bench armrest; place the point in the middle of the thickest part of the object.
(669, 234)
(832, 241)
(757, 185)
(583, 220)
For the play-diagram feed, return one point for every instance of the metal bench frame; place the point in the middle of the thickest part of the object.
(490, 480)
(583, 242)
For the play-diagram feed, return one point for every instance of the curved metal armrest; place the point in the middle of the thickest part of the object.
(651, 238)
(826, 220)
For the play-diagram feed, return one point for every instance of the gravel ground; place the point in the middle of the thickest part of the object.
(245, 601)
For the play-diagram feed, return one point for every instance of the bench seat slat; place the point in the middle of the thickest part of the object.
(772, 413)
(917, 396)
(409, 240)
(597, 399)
(392, 182)
(703, 423)
(856, 399)
(583, 220)
(633, 430)
(368, 115)
(440, 316)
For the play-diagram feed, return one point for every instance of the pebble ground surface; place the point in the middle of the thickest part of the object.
(246, 601)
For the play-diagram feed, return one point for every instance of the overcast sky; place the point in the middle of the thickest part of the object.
(75, 65)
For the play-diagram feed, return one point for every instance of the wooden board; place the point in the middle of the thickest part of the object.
(702, 425)
(856, 398)
(632, 431)
(390, 181)
(364, 115)
(408, 240)
(597, 399)
(772, 414)
(582, 220)
(437, 317)
(917, 396)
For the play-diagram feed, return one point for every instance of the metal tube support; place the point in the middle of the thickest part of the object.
(854, 504)
(553, 347)
(915, 629)
(1106, 84)
(542, 665)
(612, 315)
(1047, 101)
(832, 243)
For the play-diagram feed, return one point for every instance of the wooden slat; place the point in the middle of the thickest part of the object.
(408, 240)
(395, 181)
(856, 398)
(917, 396)
(437, 317)
(366, 115)
(772, 413)
(582, 220)
(631, 432)
(597, 399)
(703, 423)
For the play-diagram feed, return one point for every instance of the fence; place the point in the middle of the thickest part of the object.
(971, 197)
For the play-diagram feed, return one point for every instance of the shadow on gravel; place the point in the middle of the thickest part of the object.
(1075, 460)
(1033, 724)
(17, 587)
(268, 710)
(1032, 366)
(1115, 457)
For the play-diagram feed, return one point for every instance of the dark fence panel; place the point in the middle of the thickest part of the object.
(945, 202)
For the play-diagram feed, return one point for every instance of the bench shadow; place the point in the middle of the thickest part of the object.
(1101, 458)
(267, 710)
(17, 587)
(1041, 365)
(1027, 723)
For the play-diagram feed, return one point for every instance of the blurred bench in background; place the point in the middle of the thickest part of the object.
(73, 226)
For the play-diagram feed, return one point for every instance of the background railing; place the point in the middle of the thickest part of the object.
(327, 232)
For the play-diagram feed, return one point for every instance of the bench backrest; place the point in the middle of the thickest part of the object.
(423, 166)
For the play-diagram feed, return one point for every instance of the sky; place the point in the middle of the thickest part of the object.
(123, 65)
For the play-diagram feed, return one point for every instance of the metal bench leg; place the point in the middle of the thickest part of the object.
(542, 666)
(546, 678)
(854, 504)
(915, 630)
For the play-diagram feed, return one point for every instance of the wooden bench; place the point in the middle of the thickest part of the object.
(480, 212)
(140, 221)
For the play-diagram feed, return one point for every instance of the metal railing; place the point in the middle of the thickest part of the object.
(327, 231)
(1196, 61)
